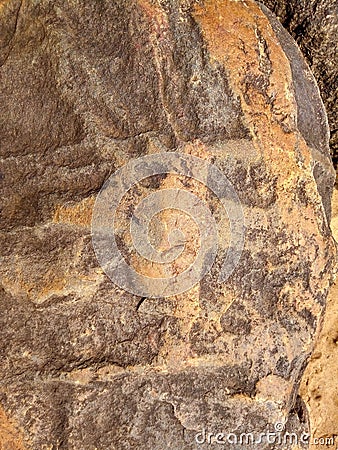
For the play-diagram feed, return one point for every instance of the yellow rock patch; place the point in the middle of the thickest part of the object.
(10, 435)
(76, 213)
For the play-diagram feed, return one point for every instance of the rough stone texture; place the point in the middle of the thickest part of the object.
(314, 26)
(10, 435)
(86, 86)
(319, 387)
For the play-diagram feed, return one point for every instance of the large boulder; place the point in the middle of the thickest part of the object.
(93, 362)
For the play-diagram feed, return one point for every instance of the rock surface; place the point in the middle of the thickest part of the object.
(86, 87)
(319, 387)
(314, 26)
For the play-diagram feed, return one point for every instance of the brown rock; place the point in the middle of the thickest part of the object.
(319, 387)
(10, 436)
(313, 24)
(88, 87)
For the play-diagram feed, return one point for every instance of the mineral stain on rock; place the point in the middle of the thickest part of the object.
(10, 435)
(86, 87)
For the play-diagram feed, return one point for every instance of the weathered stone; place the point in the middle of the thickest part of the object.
(319, 387)
(314, 26)
(87, 87)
